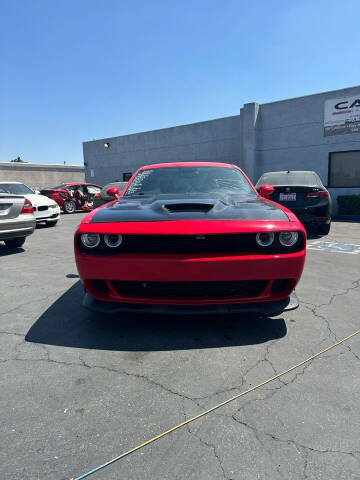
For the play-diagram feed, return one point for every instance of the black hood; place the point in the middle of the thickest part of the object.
(155, 208)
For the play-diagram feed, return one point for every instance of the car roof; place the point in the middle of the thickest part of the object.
(288, 177)
(78, 183)
(188, 164)
(290, 171)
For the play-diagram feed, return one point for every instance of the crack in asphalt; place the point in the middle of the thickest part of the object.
(30, 302)
(298, 444)
(206, 444)
(315, 307)
(102, 367)
(304, 450)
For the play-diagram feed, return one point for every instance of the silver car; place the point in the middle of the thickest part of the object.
(17, 219)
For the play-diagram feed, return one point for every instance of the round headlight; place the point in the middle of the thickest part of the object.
(288, 239)
(112, 240)
(90, 240)
(264, 239)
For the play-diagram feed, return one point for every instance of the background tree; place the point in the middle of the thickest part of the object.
(18, 160)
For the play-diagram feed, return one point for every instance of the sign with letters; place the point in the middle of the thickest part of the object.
(342, 115)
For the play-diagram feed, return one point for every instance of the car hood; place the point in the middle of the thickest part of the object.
(39, 200)
(152, 208)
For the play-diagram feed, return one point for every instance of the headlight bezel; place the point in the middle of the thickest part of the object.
(108, 235)
(262, 243)
(295, 238)
(83, 237)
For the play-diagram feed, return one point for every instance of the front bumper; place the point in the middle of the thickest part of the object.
(101, 276)
(270, 309)
(49, 214)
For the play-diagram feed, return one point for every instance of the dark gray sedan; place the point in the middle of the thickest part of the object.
(102, 197)
(303, 193)
(17, 219)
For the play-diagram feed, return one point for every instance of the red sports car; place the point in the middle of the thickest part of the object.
(190, 238)
(73, 196)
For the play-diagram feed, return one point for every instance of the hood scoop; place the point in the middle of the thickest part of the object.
(157, 208)
(188, 207)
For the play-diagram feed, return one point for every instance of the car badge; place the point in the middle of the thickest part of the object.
(200, 237)
(287, 189)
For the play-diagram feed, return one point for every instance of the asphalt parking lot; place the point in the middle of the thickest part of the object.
(78, 389)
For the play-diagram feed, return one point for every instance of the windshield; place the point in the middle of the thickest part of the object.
(15, 188)
(178, 180)
(119, 185)
(291, 178)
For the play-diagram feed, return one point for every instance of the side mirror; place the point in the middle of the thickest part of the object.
(266, 191)
(113, 192)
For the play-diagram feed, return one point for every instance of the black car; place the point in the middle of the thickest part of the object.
(303, 193)
(102, 197)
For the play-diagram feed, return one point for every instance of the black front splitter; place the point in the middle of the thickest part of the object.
(270, 309)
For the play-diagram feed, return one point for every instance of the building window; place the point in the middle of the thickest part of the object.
(127, 176)
(344, 169)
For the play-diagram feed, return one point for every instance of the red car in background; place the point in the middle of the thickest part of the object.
(190, 238)
(73, 196)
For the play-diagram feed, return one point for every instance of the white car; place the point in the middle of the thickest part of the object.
(45, 209)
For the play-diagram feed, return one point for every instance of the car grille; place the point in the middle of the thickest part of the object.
(239, 289)
(187, 243)
(227, 291)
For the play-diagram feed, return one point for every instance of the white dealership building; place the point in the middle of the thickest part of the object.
(318, 132)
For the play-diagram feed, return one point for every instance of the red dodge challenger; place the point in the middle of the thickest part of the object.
(190, 238)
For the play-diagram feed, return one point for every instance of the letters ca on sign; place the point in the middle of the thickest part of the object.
(342, 115)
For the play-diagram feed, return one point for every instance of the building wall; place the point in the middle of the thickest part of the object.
(214, 140)
(289, 135)
(265, 137)
(39, 176)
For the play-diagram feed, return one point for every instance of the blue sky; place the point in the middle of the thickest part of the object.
(72, 71)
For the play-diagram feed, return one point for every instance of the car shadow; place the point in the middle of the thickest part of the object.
(40, 225)
(313, 234)
(4, 250)
(66, 323)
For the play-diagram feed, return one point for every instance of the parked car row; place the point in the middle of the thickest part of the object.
(21, 208)
(45, 209)
(302, 192)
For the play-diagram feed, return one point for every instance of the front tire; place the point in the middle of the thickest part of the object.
(324, 228)
(15, 242)
(69, 206)
(51, 223)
